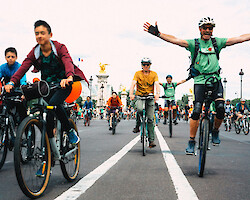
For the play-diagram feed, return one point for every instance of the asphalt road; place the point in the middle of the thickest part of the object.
(155, 176)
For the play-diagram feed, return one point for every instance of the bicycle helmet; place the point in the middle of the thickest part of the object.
(228, 100)
(169, 76)
(206, 20)
(242, 99)
(146, 60)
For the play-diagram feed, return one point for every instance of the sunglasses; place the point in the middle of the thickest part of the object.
(207, 27)
(11, 56)
(145, 64)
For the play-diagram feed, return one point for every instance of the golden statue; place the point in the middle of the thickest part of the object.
(122, 88)
(102, 66)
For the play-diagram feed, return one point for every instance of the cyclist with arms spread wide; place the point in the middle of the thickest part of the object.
(206, 63)
(169, 91)
(145, 80)
(53, 60)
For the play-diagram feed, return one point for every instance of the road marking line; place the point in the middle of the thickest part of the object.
(86, 182)
(183, 189)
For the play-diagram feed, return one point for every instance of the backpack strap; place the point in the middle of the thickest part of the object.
(196, 49)
(215, 47)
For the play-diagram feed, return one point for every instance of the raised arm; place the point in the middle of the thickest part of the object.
(239, 39)
(168, 38)
(183, 81)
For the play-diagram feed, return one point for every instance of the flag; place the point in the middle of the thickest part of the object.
(80, 59)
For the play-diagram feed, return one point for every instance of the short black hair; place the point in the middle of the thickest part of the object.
(10, 49)
(42, 23)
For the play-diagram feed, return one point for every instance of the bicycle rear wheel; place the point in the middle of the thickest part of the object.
(29, 159)
(203, 145)
(237, 127)
(3, 146)
(70, 163)
(170, 123)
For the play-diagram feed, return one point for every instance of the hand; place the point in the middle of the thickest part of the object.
(157, 96)
(131, 96)
(152, 29)
(65, 82)
(8, 88)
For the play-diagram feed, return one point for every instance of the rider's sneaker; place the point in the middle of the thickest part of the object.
(215, 137)
(136, 130)
(165, 122)
(152, 144)
(73, 137)
(190, 148)
(175, 122)
(41, 170)
(110, 128)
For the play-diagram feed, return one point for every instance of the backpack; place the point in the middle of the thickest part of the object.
(166, 86)
(194, 72)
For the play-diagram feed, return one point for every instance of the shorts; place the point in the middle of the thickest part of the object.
(167, 103)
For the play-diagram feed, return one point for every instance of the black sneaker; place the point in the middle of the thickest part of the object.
(175, 122)
(110, 128)
(215, 137)
(165, 122)
(136, 130)
(190, 148)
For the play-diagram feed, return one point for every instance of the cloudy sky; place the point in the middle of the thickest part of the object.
(111, 32)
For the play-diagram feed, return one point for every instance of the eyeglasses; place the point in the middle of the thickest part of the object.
(207, 27)
(11, 56)
(145, 64)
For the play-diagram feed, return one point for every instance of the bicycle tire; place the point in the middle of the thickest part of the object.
(170, 123)
(237, 128)
(70, 173)
(3, 147)
(246, 127)
(113, 124)
(31, 185)
(203, 146)
(143, 137)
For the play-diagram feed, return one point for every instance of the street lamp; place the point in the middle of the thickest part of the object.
(225, 82)
(241, 74)
(102, 87)
(90, 85)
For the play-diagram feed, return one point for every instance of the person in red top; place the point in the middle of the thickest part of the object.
(113, 105)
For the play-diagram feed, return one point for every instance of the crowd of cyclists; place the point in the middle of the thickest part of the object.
(53, 60)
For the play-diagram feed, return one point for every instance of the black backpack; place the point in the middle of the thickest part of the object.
(166, 86)
(194, 72)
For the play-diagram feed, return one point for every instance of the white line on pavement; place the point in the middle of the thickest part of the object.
(183, 189)
(86, 182)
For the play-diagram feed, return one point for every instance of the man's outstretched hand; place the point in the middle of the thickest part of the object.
(151, 29)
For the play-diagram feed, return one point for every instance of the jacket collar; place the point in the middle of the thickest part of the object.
(38, 49)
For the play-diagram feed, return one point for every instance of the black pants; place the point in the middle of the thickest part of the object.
(57, 98)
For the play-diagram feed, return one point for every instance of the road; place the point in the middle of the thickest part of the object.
(112, 167)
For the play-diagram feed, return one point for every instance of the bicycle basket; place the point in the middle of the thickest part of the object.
(35, 90)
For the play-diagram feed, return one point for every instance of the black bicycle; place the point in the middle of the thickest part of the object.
(113, 121)
(211, 85)
(33, 151)
(8, 120)
(144, 129)
(170, 116)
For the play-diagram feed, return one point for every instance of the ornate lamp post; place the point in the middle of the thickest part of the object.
(90, 85)
(241, 74)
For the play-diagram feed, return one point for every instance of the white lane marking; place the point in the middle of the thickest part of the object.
(183, 189)
(86, 182)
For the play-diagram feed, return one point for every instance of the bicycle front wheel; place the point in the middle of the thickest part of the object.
(246, 126)
(3, 146)
(70, 163)
(113, 124)
(203, 145)
(143, 137)
(170, 123)
(32, 166)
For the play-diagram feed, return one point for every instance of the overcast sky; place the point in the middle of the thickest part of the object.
(111, 32)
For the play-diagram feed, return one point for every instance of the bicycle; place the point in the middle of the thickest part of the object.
(211, 85)
(242, 124)
(8, 125)
(113, 119)
(144, 131)
(33, 151)
(170, 116)
(87, 112)
(227, 122)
